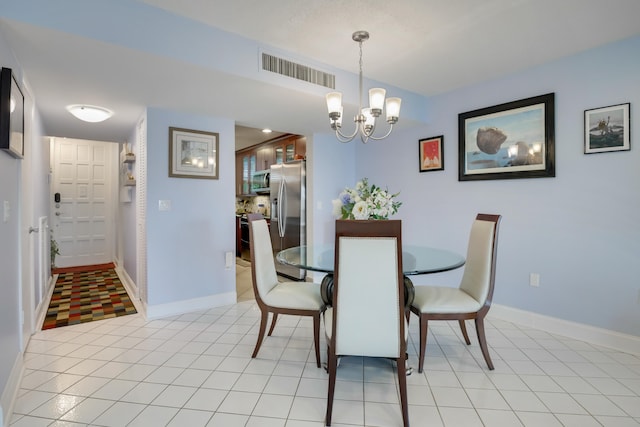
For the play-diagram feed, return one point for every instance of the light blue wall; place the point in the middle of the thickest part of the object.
(579, 230)
(11, 231)
(10, 267)
(10, 169)
(186, 245)
(330, 166)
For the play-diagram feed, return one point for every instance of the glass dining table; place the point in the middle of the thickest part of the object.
(415, 260)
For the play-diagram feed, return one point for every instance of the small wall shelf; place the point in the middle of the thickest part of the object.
(128, 179)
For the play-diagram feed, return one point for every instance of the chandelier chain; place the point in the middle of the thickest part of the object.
(360, 80)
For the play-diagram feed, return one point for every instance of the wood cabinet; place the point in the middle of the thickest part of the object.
(262, 156)
(265, 157)
(245, 167)
(286, 150)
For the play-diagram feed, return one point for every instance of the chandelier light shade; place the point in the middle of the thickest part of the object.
(89, 113)
(365, 118)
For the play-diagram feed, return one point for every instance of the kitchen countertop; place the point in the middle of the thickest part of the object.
(244, 216)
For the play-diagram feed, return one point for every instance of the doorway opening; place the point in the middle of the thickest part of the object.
(256, 153)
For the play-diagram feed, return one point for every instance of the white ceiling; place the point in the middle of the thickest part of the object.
(248, 136)
(424, 46)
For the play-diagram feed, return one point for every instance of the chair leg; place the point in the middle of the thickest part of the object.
(483, 342)
(401, 362)
(316, 337)
(273, 323)
(423, 341)
(331, 367)
(463, 326)
(264, 318)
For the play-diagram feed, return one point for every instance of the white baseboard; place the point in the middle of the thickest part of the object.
(127, 281)
(41, 310)
(181, 307)
(132, 289)
(10, 392)
(591, 334)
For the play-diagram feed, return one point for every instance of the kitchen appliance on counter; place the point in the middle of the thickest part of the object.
(288, 211)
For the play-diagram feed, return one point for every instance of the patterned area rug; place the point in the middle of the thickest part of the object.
(84, 294)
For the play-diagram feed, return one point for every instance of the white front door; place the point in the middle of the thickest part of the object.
(82, 214)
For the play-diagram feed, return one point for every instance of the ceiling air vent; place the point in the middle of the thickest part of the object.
(297, 71)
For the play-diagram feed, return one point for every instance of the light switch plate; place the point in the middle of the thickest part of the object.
(534, 279)
(6, 207)
(164, 205)
(228, 260)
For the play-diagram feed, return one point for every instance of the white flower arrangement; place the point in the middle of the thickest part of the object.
(365, 202)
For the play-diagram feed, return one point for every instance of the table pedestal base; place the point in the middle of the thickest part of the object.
(326, 290)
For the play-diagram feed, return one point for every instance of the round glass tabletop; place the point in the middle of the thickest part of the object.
(415, 259)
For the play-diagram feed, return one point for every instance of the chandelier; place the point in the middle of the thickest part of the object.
(366, 118)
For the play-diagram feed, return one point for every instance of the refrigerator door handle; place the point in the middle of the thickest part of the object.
(274, 209)
(281, 208)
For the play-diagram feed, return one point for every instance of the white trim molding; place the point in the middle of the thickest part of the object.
(10, 392)
(186, 306)
(591, 334)
(131, 288)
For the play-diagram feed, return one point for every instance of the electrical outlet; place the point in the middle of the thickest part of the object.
(534, 280)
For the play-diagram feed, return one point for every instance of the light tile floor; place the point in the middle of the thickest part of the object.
(196, 370)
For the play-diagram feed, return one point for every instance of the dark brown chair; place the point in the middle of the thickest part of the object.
(472, 299)
(368, 316)
(272, 296)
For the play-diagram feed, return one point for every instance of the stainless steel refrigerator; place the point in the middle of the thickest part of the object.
(288, 211)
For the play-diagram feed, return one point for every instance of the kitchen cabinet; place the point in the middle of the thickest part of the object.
(262, 156)
(290, 148)
(245, 167)
(239, 173)
(238, 237)
(242, 236)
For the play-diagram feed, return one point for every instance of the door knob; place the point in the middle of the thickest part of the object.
(33, 230)
(57, 213)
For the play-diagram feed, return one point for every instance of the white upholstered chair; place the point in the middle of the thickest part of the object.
(368, 316)
(472, 299)
(272, 296)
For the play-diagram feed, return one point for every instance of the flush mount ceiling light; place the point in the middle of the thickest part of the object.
(366, 118)
(89, 113)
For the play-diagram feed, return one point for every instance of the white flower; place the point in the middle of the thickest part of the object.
(365, 202)
(360, 210)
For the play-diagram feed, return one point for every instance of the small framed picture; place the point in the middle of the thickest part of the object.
(607, 129)
(193, 154)
(431, 151)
